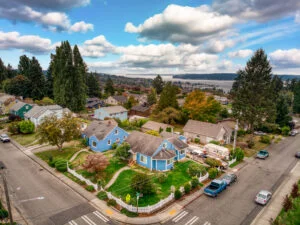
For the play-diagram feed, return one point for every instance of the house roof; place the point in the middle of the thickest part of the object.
(91, 104)
(120, 98)
(203, 128)
(166, 135)
(92, 99)
(100, 129)
(144, 143)
(165, 154)
(140, 108)
(179, 144)
(18, 106)
(37, 111)
(114, 109)
(3, 98)
(152, 125)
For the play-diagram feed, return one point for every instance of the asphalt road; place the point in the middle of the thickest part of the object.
(236, 204)
(41, 198)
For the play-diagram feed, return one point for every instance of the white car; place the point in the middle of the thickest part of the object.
(263, 197)
(4, 138)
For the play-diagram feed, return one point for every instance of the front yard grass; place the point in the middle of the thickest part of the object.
(66, 153)
(249, 152)
(177, 177)
(25, 139)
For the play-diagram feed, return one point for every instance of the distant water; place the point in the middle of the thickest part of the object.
(226, 85)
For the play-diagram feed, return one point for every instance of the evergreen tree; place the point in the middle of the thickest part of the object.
(296, 103)
(49, 83)
(158, 84)
(152, 97)
(253, 98)
(37, 80)
(3, 71)
(168, 97)
(19, 86)
(282, 111)
(10, 72)
(24, 66)
(93, 85)
(109, 88)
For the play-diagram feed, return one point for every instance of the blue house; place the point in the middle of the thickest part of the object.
(101, 135)
(156, 153)
(118, 112)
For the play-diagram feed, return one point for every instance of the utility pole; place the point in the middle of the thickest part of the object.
(2, 168)
(235, 133)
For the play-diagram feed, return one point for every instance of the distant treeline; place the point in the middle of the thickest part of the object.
(223, 76)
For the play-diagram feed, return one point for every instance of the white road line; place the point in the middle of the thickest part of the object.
(72, 222)
(179, 216)
(192, 221)
(32, 199)
(207, 223)
(99, 215)
(88, 220)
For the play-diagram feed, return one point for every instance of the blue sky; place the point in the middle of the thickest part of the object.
(157, 36)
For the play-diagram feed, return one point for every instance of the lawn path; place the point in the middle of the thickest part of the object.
(77, 153)
(113, 179)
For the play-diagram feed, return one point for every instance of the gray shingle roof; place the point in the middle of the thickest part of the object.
(100, 129)
(37, 111)
(166, 135)
(120, 98)
(165, 154)
(152, 125)
(203, 128)
(179, 144)
(144, 143)
(140, 108)
(17, 106)
(114, 109)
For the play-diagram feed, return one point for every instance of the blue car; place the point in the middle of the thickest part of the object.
(262, 154)
(215, 188)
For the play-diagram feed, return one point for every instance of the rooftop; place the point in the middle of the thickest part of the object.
(203, 128)
(100, 129)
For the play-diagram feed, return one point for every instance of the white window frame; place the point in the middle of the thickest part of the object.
(145, 159)
(182, 151)
(116, 132)
(170, 160)
(109, 142)
(124, 137)
(94, 144)
(118, 140)
(165, 145)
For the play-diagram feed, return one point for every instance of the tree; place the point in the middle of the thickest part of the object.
(19, 86)
(287, 203)
(253, 97)
(93, 85)
(49, 83)
(295, 191)
(296, 104)
(282, 111)
(158, 84)
(10, 72)
(109, 87)
(168, 115)
(196, 170)
(142, 183)
(24, 66)
(95, 162)
(26, 127)
(45, 101)
(224, 113)
(152, 132)
(37, 80)
(167, 97)
(130, 102)
(122, 151)
(58, 131)
(200, 107)
(3, 71)
(152, 97)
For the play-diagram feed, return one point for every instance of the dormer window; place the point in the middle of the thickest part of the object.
(116, 132)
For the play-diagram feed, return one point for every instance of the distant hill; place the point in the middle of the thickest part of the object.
(222, 76)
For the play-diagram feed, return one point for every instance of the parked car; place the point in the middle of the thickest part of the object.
(259, 133)
(263, 197)
(262, 154)
(297, 155)
(215, 188)
(230, 178)
(4, 138)
(293, 133)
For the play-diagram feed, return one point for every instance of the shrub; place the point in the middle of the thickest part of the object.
(142, 183)
(213, 162)
(195, 182)
(213, 173)
(197, 140)
(13, 117)
(187, 188)
(114, 145)
(287, 203)
(168, 129)
(177, 194)
(250, 143)
(295, 191)
(215, 142)
(162, 177)
(26, 127)
(241, 133)
(238, 153)
(102, 195)
(285, 131)
(61, 165)
(128, 213)
(111, 202)
(14, 128)
(196, 170)
(3, 214)
(265, 139)
(90, 188)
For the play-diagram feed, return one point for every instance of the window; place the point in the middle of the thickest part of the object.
(182, 151)
(116, 131)
(169, 161)
(108, 142)
(164, 145)
(118, 140)
(124, 137)
(143, 159)
(94, 144)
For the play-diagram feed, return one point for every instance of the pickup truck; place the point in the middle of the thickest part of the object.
(215, 188)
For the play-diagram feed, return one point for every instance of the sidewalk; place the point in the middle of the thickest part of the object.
(275, 205)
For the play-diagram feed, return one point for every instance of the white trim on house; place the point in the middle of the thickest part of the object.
(94, 144)
(109, 142)
(144, 157)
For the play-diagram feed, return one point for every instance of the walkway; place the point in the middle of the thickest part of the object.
(113, 179)
(77, 153)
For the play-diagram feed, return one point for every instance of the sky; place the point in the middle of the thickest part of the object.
(154, 37)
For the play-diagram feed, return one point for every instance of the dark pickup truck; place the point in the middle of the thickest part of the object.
(215, 188)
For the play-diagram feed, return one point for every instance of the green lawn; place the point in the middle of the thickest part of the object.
(25, 139)
(66, 153)
(177, 177)
(235, 164)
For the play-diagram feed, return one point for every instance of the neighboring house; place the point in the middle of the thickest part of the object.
(116, 100)
(181, 101)
(140, 110)
(206, 132)
(101, 135)
(154, 152)
(94, 103)
(222, 100)
(152, 125)
(166, 135)
(140, 98)
(5, 102)
(20, 108)
(38, 113)
(118, 112)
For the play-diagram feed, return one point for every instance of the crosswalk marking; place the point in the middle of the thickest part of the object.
(99, 215)
(88, 220)
(72, 222)
(192, 221)
(207, 223)
(179, 216)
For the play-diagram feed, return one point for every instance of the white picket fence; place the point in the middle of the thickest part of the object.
(147, 209)
(80, 177)
(231, 161)
(203, 178)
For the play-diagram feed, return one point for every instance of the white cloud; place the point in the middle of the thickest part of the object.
(297, 17)
(286, 58)
(29, 43)
(244, 53)
(183, 24)
(96, 47)
(82, 27)
(216, 46)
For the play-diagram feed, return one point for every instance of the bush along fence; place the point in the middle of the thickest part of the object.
(80, 177)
